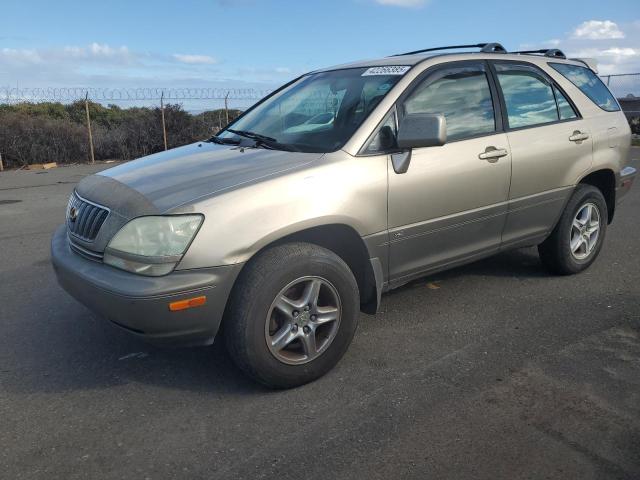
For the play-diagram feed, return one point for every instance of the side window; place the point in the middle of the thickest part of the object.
(565, 110)
(589, 83)
(385, 138)
(528, 95)
(462, 94)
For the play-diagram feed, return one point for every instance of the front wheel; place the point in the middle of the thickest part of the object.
(292, 315)
(578, 237)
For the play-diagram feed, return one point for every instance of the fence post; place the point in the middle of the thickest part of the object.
(1, 165)
(608, 80)
(164, 127)
(86, 107)
(226, 107)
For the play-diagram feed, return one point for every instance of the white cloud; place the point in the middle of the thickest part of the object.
(95, 51)
(619, 54)
(194, 59)
(403, 3)
(611, 60)
(615, 52)
(102, 65)
(598, 30)
(19, 55)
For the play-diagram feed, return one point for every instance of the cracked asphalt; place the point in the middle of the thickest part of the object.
(494, 370)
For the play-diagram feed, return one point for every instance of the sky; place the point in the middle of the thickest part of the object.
(264, 43)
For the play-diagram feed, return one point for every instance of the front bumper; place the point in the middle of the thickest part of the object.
(141, 304)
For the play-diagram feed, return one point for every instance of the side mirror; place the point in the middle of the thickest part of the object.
(422, 130)
(418, 130)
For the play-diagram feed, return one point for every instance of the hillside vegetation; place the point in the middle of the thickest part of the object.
(56, 132)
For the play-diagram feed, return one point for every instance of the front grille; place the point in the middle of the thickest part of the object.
(84, 218)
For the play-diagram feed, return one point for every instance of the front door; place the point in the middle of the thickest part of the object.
(450, 205)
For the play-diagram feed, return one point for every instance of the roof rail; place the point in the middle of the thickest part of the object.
(484, 48)
(547, 52)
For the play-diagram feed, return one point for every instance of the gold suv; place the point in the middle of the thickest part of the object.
(345, 183)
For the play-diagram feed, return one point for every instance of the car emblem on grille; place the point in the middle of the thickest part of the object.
(73, 214)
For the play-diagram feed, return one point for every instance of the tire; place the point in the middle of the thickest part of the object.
(556, 251)
(267, 310)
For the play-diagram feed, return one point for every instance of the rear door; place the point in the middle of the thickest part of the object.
(550, 147)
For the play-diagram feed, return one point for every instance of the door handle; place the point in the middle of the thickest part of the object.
(492, 154)
(578, 136)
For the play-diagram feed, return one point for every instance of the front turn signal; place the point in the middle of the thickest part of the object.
(188, 303)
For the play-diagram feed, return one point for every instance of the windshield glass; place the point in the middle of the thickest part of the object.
(319, 112)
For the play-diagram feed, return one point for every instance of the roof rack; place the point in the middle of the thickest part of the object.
(547, 52)
(484, 48)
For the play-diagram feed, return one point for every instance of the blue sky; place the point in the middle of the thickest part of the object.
(262, 43)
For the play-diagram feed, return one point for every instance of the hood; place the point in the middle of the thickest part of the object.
(178, 176)
(165, 181)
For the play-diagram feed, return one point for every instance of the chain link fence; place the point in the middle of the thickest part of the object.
(67, 125)
(626, 87)
(623, 85)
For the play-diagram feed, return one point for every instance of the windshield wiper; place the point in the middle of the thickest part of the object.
(263, 140)
(223, 141)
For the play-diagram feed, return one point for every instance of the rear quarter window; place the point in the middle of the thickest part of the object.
(589, 84)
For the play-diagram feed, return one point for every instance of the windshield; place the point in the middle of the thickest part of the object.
(319, 112)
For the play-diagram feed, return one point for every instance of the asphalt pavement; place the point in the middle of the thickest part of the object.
(494, 370)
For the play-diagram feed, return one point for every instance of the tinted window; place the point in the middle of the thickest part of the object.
(565, 109)
(528, 95)
(460, 93)
(589, 83)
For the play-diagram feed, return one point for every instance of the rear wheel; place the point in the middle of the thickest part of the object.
(292, 315)
(578, 237)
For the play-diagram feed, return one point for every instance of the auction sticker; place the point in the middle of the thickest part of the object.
(388, 70)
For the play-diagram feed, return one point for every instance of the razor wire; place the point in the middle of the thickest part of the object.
(105, 95)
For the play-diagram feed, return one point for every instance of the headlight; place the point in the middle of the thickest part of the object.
(152, 245)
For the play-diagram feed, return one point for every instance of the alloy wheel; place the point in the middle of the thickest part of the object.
(585, 231)
(303, 320)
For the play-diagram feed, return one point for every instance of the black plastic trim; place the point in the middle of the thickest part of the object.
(547, 52)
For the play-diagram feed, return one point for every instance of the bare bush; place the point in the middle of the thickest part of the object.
(48, 132)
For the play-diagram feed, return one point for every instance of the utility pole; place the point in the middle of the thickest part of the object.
(226, 107)
(86, 107)
(164, 127)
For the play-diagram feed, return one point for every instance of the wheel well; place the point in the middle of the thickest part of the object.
(345, 242)
(605, 181)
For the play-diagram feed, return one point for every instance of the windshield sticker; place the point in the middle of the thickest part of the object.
(390, 70)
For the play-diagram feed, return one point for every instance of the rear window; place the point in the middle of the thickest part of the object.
(589, 83)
